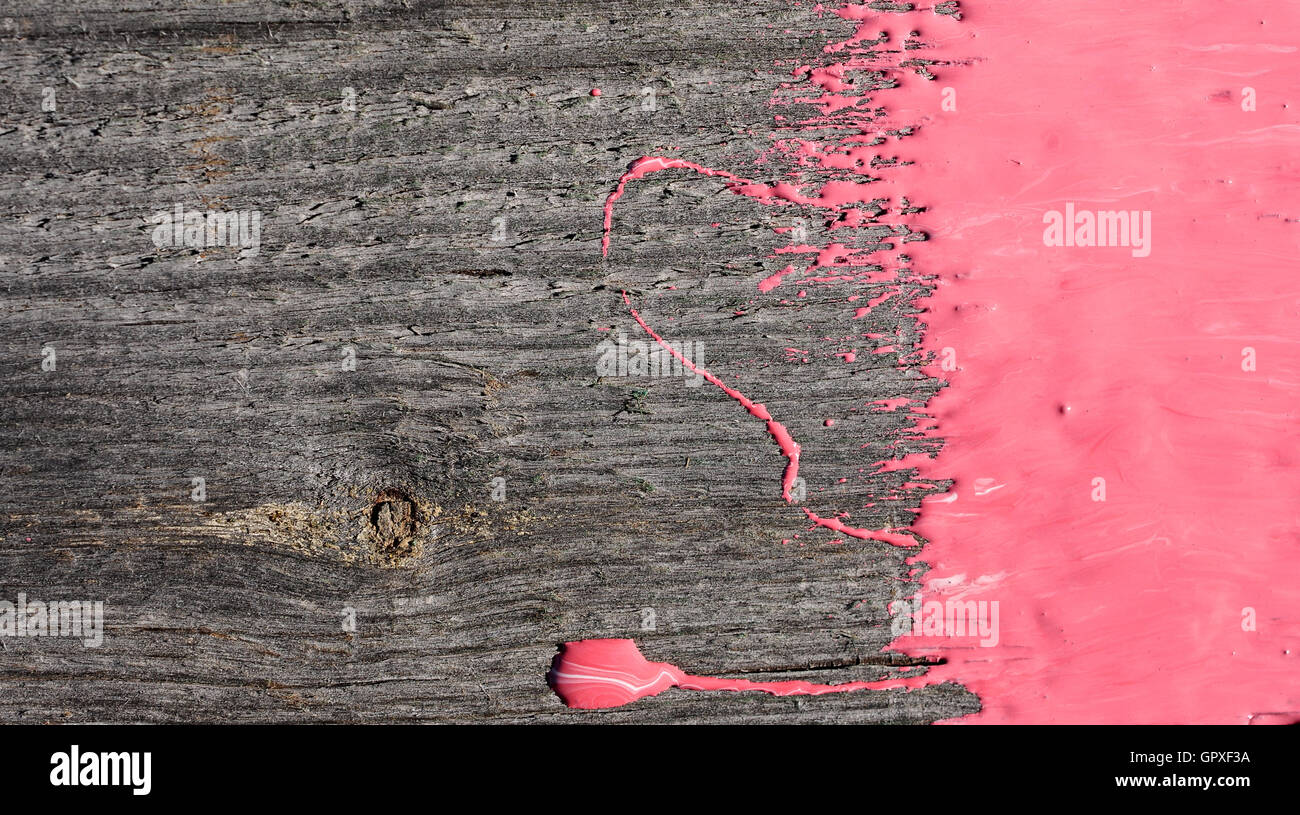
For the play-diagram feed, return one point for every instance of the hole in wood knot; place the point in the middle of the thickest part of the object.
(394, 521)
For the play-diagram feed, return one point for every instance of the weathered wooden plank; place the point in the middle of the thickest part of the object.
(474, 342)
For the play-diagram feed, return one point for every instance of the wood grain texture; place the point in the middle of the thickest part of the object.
(371, 488)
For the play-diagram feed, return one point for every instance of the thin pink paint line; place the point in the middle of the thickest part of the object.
(606, 673)
(789, 447)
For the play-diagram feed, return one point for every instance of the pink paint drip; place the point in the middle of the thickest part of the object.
(789, 447)
(772, 281)
(892, 537)
(646, 165)
(597, 674)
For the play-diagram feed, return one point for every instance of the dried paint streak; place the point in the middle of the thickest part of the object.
(646, 165)
(789, 447)
(894, 537)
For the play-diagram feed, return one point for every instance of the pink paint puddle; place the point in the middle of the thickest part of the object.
(596, 674)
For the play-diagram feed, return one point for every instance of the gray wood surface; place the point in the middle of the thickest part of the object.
(372, 489)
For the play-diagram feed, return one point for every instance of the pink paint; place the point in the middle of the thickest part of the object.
(890, 404)
(597, 674)
(863, 311)
(771, 282)
(891, 537)
(789, 447)
(646, 165)
(595, 91)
